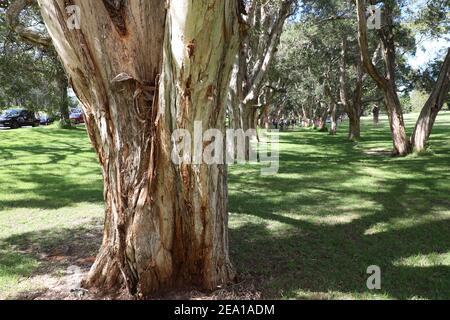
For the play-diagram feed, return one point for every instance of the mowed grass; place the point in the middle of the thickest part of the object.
(50, 204)
(310, 232)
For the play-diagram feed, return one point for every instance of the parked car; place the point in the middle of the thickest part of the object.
(16, 118)
(76, 117)
(46, 120)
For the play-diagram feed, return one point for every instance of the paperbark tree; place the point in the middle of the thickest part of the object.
(261, 28)
(330, 91)
(385, 82)
(333, 116)
(352, 104)
(433, 106)
(63, 85)
(143, 69)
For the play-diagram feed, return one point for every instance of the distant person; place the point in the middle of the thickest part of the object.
(275, 123)
(376, 115)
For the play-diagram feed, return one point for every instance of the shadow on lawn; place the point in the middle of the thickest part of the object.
(32, 174)
(51, 252)
(54, 192)
(316, 259)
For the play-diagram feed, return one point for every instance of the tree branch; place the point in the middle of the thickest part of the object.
(262, 66)
(364, 46)
(442, 87)
(28, 35)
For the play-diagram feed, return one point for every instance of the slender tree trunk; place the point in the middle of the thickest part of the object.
(402, 147)
(385, 82)
(249, 122)
(236, 92)
(156, 69)
(433, 106)
(354, 127)
(333, 129)
(323, 119)
(63, 84)
(355, 108)
(352, 105)
(266, 117)
(424, 126)
(306, 122)
(250, 118)
(237, 114)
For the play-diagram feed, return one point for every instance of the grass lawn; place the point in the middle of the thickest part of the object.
(310, 232)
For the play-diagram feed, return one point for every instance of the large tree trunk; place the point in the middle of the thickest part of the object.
(428, 115)
(142, 71)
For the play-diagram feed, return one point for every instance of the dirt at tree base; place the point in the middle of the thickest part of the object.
(67, 287)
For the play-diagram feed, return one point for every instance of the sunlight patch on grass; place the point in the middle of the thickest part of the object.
(336, 295)
(334, 219)
(425, 260)
(23, 220)
(407, 222)
(273, 227)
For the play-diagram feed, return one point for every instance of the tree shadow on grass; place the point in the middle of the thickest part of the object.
(53, 192)
(49, 169)
(50, 253)
(317, 260)
(309, 255)
(302, 244)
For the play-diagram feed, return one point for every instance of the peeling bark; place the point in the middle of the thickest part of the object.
(141, 71)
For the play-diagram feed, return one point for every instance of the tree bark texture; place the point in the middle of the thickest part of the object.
(142, 69)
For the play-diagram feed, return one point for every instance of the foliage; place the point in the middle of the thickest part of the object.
(25, 70)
